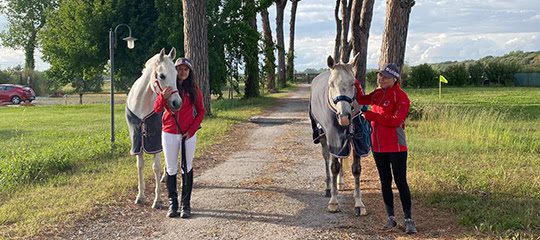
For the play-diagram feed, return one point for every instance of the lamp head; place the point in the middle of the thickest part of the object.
(130, 42)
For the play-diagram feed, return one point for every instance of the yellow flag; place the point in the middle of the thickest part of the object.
(442, 79)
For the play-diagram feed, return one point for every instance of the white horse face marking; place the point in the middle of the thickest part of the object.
(341, 90)
(165, 76)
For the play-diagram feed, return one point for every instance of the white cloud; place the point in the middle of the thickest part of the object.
(430, 48)
(10, 58)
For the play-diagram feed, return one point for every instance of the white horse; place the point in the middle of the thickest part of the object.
(144, 124)
(332, 109)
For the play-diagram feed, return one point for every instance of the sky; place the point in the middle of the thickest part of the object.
(439, 30)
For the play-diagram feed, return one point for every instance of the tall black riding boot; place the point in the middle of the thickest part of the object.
(187, 186)
(173, 196)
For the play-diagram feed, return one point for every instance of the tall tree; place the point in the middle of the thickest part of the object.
(396, 26)
(337, 44)
(361, 23)
(75, 45)
(219, 15)
(280, 12)
(290, 54)
(169, 20)
(25, 19)
(345, 49)
(196, 44)
(142, 17)
(251, 50)
(355, 19)
(269, 57)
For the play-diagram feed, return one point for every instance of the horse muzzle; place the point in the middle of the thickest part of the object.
(344, 119)
(175, 102)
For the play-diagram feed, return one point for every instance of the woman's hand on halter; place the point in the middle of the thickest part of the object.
(167, 92)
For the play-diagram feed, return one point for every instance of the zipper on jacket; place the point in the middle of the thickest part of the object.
(377, 128)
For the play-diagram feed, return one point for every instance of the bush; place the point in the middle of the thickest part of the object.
(456, 75)
(476, 73)
(422, 76)
(501, 73)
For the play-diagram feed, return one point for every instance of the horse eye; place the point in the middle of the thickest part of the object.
(162, 76)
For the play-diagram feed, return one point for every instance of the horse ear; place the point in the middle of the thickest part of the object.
(330, 62)
(161, 54)
(355, 60)
(172, 54)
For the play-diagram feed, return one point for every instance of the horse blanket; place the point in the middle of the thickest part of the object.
(145, 133)
(325, 122)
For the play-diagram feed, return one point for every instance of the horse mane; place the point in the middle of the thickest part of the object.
(149, 63)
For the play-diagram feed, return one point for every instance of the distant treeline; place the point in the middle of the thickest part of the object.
(526, 61)
(485, 71)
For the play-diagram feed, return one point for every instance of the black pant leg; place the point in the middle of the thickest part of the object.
(399, 168)
(382, 161)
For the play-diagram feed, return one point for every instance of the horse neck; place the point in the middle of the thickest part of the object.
(140, 99)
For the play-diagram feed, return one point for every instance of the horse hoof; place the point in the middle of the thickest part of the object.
(139, 201)
(157, 205)
(327, 194)
(360, 211)
(333, 207)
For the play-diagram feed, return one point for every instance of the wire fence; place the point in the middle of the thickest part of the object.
(72, 99)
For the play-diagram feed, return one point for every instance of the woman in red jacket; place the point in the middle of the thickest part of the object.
(390, 109)
(179, 135)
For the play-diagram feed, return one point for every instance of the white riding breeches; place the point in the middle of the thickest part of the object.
(172, 148)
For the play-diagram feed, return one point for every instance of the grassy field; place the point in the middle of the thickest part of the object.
(476, 153)
(56, 163)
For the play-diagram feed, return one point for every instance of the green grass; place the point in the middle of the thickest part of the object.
(56, 164)
(476, 153)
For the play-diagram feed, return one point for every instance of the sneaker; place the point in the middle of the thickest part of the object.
(410, 227)
(390, 223)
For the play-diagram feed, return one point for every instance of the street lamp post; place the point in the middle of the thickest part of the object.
(112, 45)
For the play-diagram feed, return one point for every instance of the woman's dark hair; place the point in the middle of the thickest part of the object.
(190, 86)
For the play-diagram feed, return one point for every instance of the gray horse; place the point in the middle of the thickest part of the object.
(332, 110)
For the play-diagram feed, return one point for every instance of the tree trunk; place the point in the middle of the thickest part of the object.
(337, 45)
(290, 55)
(361, 27)
(345, 51)
(269, 57)
(280, 8)
(251, 59)
(29, 60)
(196, 45)
(395, 32)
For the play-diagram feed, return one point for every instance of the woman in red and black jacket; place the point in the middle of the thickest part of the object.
(179, 135)
(390, 109)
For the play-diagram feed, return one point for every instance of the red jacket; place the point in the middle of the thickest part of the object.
(189, 123)
(390, 109)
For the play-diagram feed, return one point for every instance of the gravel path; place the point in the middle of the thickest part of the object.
(269, 185)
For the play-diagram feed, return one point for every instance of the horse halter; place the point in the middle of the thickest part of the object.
(342, 98)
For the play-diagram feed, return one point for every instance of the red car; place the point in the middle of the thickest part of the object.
(16, 93)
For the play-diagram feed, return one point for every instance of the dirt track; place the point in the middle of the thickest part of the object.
(265, 182)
